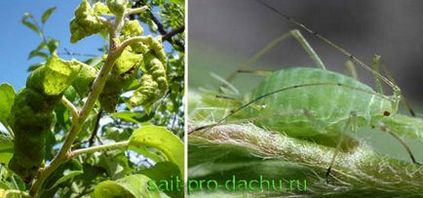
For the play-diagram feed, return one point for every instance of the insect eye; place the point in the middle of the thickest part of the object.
(386, 113)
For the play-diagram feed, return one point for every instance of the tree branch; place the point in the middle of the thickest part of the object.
(96, 126)
(169, 35)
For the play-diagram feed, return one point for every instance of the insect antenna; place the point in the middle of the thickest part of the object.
(396, 89)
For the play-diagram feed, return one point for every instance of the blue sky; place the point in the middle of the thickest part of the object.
(16, 40)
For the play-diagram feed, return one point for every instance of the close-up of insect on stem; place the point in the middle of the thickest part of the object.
(317, 106)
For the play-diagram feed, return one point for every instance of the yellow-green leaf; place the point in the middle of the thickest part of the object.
(7, 96)
(162, 139)
(54, 77)
(133, 186)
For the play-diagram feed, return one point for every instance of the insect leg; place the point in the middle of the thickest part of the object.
(340, 141)
(310, 51)
(351, 122)
(384, 128)
(294, 33)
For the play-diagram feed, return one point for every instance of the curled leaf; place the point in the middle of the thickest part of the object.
(157, 47)
(54, 77)
(84, 79)
(101, 9)
(123, 73)
(32, 114)
(132, 28)
(153, 83)
(86, 22)
(117, 7)
(146, 94)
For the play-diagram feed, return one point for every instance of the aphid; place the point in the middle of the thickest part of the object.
(324, 106)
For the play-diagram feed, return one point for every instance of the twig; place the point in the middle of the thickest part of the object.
(94, 132)
(74, 111)
(93, 149)
(169, 35)
(136, 10)
(136, 39)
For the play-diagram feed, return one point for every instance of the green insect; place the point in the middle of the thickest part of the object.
(323, 106)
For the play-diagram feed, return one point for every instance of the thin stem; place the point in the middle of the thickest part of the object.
(74, 111)
(93, 149)
(168, 36)
(136, 10)
(132, 40)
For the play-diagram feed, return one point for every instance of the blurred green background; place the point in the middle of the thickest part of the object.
(224, 34)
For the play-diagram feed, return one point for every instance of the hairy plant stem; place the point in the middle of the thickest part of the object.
(358, 171)
(93, 149)
(115, 50)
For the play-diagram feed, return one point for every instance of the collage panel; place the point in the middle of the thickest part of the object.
(91, 98)
(211, 98)
(304, 99)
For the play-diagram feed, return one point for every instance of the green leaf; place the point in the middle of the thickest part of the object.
(7, 97)
(136, 186)
(116, 163)
(30, 25)
(37, 53)
(180, 2)
(148, 153)
(162, 139)
(164, 173)
(6, 149)
(135, 117)
(52, 45)
(61, 175)
(126, 116)
(34, 66)
(47, 14)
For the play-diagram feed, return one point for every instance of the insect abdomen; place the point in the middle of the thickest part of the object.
(299, 110)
